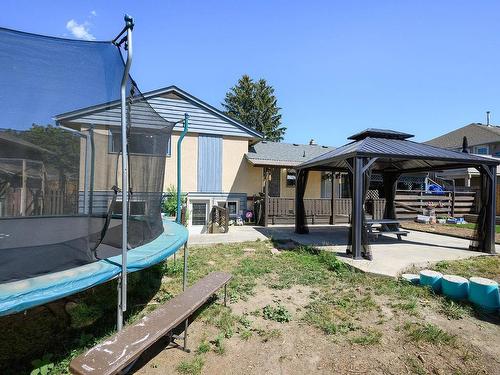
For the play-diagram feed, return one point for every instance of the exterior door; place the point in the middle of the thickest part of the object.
(275, 183)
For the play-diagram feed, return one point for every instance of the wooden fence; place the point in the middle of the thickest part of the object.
(25, 202)
(408, 205)
(413, 202)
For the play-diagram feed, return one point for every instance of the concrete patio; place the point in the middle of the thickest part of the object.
(390, 256)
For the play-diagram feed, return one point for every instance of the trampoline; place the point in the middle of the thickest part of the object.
(79, 204)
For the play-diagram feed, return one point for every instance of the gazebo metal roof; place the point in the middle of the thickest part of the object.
(395, 152)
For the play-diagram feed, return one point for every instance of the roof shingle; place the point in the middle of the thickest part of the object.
(477, 134)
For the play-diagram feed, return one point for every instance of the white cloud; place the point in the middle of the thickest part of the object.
(80, 31)
(93, 13)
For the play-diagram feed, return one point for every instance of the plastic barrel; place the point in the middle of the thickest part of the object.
(431, 278)
(455, 287)
(411, 277)
(484, 293)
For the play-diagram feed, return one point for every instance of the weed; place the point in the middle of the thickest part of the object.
(83, 315)
(429, 333)
(369, 337)
(268, 335)
(245, 334)
(219, 344)
(203, 347)
(277, 313)
(454, 310)
(222, 318)
(42, 366)
(245, 322)
(192, 367)
(408, 306)
(415, 366)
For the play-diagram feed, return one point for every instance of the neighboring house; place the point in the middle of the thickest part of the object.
(222, 159)
(481, 139)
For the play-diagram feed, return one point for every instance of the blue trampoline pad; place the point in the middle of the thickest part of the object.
(24, 294)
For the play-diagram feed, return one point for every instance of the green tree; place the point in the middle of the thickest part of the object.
(254, 104)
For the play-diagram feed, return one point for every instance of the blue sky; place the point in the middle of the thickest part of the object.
(424, 67)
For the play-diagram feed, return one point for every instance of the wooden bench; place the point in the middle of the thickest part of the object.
(384, 228)
(123, 348)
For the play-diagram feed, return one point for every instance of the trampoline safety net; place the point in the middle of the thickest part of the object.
(60, 155)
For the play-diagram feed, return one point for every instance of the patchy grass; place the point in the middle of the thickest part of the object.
(428, 333)
(369, 337)
(191, 367)
(455, 310)
(203, 347)
(344, 303)
(484, 266)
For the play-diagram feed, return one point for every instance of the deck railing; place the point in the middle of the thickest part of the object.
(408, 205)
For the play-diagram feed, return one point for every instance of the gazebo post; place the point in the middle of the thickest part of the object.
(357, 208)
(333, 218)
(489, 241)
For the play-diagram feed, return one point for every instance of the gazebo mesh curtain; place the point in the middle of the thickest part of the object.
(478, 243)
(300, 214)
(366, 178)
(59, 187)
(389, 186)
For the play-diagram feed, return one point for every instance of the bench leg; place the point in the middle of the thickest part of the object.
(225, 295)
(186, 324)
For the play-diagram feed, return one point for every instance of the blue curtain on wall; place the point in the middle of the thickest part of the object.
(209, 164)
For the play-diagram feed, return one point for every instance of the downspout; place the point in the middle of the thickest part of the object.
(122, 281)
(179, 151)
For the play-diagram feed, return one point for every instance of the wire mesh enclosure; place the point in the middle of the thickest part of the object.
(60, 175)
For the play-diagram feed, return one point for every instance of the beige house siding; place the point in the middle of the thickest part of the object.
(313, 189)
(238, 176)
(189, 163)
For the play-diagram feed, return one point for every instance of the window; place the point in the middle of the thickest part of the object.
(291, 177)
(199, 213)
(481, 150)
(232, 208)
(141, 142)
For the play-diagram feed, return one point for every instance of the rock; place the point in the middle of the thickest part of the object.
(248, 250)
(275, 251)
(211, 263)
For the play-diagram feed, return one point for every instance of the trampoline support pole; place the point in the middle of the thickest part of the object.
(122, 282)
(179, 152)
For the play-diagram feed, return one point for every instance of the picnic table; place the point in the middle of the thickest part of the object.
(378, 227)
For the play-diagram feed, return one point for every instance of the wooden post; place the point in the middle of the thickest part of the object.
(453, 203)
(266, 197)
(24, 192)
(333, 206)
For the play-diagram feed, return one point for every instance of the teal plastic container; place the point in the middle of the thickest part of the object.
(432, 279)
(455, 287)
(411, 278)
(484, 293)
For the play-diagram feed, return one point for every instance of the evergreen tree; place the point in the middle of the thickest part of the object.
(254, 104)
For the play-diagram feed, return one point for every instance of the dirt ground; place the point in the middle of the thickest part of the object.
(297, 348)
(452, 230)
(291, 310)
